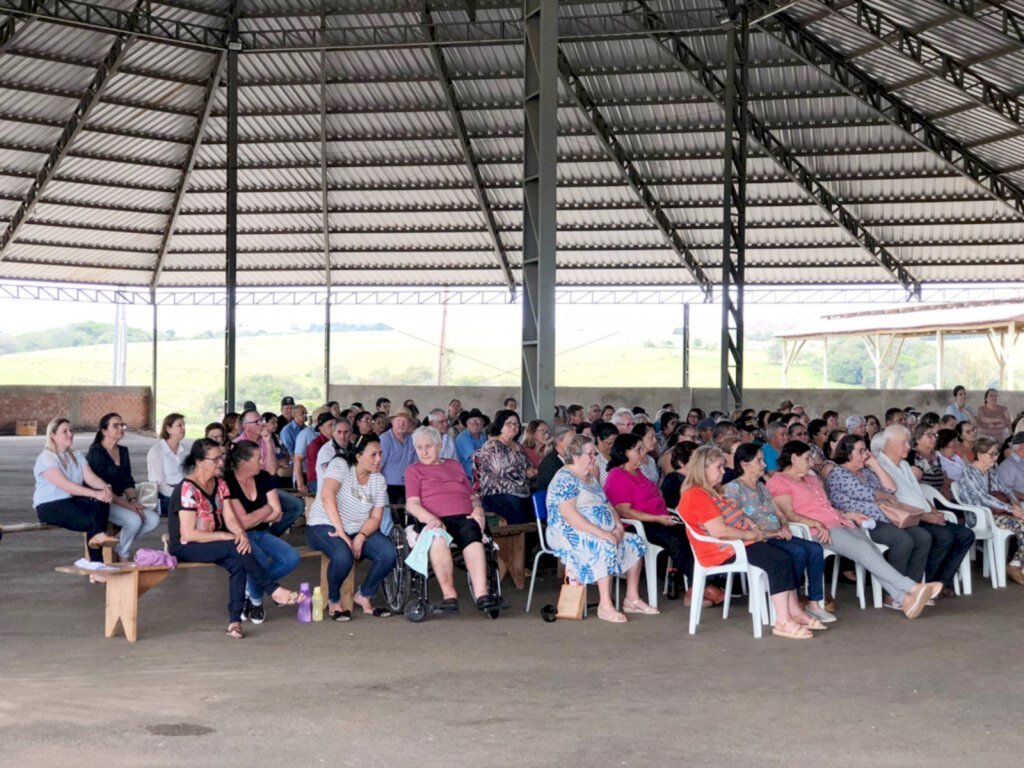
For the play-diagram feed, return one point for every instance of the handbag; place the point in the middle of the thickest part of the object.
(901, 515)
(571, 600)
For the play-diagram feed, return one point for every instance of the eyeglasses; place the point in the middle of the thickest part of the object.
(251, 421)
(589, 453)
(219, 457)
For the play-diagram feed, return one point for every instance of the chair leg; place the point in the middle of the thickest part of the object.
(755, 593)
(835, 575)
(651, 574)
(860, 585)
(966, 577)
(533, 581)
(696, 598)
(728, 595)
(876, 592)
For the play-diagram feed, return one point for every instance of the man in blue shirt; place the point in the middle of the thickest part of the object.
(775, 436)
(292, 428)
(396, 454)
(469, 442)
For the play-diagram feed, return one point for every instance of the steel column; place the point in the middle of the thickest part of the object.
(734, 207)
(231, 243)
(91, 97)
(540, 179)
(686, 345)
(325, 204)
(153, 373)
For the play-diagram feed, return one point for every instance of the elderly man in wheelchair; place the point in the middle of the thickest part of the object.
(438, 496)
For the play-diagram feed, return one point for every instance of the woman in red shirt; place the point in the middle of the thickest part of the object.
(709, 513)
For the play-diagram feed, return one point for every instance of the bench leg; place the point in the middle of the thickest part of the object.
(123, 592)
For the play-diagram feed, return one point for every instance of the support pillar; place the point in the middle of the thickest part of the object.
(231, 243)
(152, 387)
(540, 111)
(686, 345)
(734, 199)
(824, 365)
(940, 362)
(1011, 342)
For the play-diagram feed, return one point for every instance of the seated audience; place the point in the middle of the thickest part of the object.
(966, 434)
(856, 425)
(380, 423)
(232, 425)
(338, 445)
(344, 524)
(859, 484)
(635, 497)
(164, 459)
(668, 422)
(1011, 471)
(950, 541)
(397, 453)
(946, 446)
(649, 443)
(775, 438)
(623, 420)
(586, 534)
(752, 497)
(438, 419)
(68, 493)
(672, 486)
(290, 431)
(111, 463)
(709, 513)
(471, 439)
(981, 486)
(536, 442)
(287, 406)
(503, 471)
(604, 435)
(925, 462)
(993, 420)
(214, 431)
(871, 426)
(362, 424)
(554, 460)
(203, 529)
(801, 497)
(256, 505)
(325, 428)
(439, 495)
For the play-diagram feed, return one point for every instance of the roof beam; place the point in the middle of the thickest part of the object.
(462, 135)
(859, 83)
(195, 142)
(996, 15)
(91, 97)
(631, 174)
(713, 84)
(9, 32)
(890, 32)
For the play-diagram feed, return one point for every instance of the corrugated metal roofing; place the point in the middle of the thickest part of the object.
(402, 210)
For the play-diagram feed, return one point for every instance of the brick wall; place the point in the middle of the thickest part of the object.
(82, 405)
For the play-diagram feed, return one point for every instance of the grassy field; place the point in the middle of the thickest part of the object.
(191, 371)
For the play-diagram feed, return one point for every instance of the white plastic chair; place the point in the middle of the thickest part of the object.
(963, 581)
(760, 613)
(995, 538)
(650, 562)
(540, 513)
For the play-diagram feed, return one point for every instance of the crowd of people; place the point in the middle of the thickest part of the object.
(793, 489)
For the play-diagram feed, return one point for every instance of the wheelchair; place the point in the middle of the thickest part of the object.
(407, 591)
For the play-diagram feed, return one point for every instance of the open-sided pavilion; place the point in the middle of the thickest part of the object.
(716, 148)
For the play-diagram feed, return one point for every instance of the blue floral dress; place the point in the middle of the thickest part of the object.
(586, 556)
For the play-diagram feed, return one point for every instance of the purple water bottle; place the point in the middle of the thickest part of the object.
(305, 612)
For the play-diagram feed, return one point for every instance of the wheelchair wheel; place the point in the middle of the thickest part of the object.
(416, 611)
(398, 583)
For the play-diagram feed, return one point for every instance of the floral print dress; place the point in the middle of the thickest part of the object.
(587, 557)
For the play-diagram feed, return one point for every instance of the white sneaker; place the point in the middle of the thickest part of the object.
(820, 614)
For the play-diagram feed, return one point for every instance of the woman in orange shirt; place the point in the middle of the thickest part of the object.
(709, 513)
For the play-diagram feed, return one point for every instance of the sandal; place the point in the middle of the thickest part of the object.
(611, 615)
(235, 630)
(792, 631)
(294, 598)
(340, 615)
(639, 606)
(715, 594)
(815, 624)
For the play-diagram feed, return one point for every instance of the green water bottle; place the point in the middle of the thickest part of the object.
(318, 604)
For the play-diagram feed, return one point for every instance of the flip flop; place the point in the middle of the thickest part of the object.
(234, 630)
(340, 615)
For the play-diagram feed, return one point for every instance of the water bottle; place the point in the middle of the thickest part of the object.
(318, 604)
(305, 612)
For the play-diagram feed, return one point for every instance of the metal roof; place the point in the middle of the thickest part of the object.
(917, 321)
(402, 207)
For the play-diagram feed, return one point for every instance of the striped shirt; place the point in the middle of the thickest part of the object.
(355, 501)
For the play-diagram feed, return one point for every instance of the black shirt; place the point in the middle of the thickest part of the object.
(671, 487)
(265, 483)
(547, 470)
(119, 476)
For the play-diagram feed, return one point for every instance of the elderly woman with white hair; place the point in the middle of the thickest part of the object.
(856, 425)
(438, 495)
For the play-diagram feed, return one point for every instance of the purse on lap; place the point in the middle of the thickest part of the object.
(901, 515)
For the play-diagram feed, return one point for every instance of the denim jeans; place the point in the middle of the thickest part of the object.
(278, 558)
(132, 526)
(292, 507)
(224, 554)
(377, 548)
(807, 556)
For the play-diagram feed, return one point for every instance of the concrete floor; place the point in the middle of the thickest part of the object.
(466, 691)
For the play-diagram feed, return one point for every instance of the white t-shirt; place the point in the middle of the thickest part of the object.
(355, 501)
(74, 471)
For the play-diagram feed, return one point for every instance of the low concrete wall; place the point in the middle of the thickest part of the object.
(846, 401)
(83, 406)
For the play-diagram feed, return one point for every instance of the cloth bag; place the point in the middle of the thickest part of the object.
(901, 515)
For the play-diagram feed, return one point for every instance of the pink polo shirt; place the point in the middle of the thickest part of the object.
(809, 499)
(622, 487)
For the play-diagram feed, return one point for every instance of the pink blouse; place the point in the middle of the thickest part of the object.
(809, 499)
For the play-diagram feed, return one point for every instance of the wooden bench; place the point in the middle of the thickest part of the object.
(109, 555)
(129, 582)
(511, 541)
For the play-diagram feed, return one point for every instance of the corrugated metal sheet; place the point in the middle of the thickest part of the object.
(402, 210)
